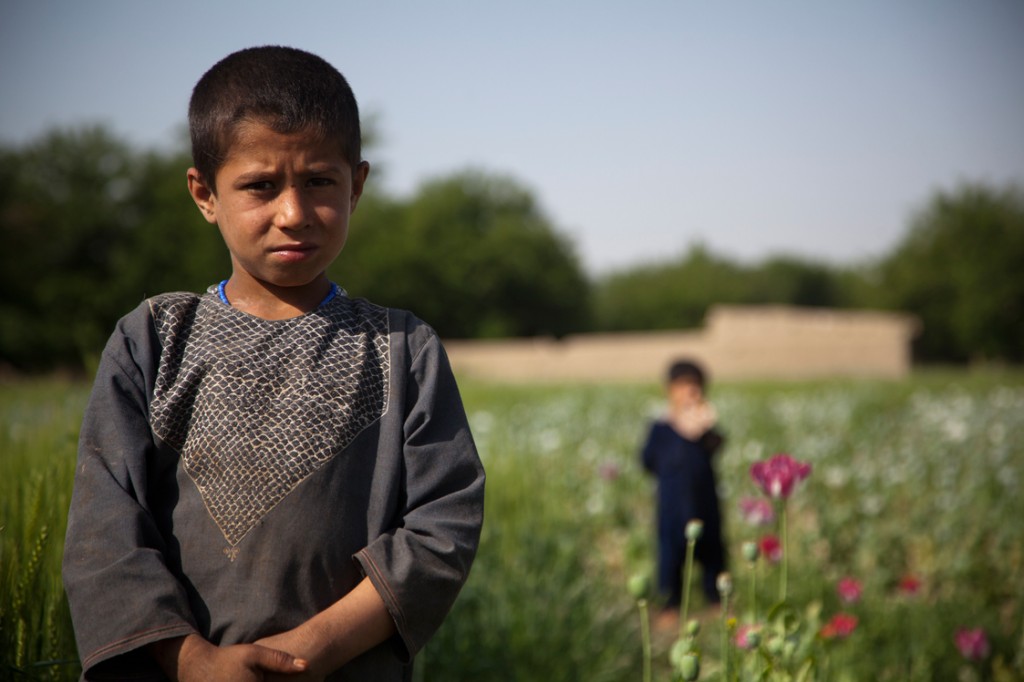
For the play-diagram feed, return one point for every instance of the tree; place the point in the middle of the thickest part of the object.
(59, 220)
(472, 254)
(90, 227)
(677, 294)
(959, 270)
(673, 295)
(797, 282)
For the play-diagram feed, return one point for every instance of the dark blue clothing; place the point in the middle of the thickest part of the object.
(686, 491)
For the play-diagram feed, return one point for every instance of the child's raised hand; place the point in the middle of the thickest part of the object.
(705, 417)
(694, 421)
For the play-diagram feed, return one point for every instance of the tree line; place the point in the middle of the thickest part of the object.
(90, 226)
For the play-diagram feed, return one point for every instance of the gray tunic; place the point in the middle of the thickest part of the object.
(238, 475)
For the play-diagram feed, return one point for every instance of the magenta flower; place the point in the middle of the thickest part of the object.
(849, 590)
(771, 548)
(777, 476)
(972, 643)
(757, 511)
(909, 585)
(840, 626)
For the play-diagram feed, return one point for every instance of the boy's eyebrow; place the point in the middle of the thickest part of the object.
(323, 167)
(250, 176)
(315, 168)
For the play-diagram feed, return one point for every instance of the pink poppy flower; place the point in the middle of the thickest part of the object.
(748, 636)
(771, 548)
(757, 511)
(609, 470)
(840, 626)
(778, 475)
(972, 643)
(909, 585)
(849, 590)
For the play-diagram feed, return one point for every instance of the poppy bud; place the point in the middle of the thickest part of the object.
(638, 585)
(724, 584)
(689, 667)
(694, 529)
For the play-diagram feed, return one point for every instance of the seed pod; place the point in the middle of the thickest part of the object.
(689, 667)
(724, 584)
(694, 529)
(638, 585)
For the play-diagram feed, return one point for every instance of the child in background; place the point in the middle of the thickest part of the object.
(275, 481)
(678, 452)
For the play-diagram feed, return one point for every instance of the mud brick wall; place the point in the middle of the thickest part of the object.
(737, 342)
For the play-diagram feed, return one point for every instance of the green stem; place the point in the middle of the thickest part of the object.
(785, 553)
(753, 590)
(1019, 658)
(645, 637)
(687, 575)
(725, 636)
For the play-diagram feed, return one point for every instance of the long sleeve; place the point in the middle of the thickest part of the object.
(121, 594)
(711, 441)
(420, 565)
(648, 453)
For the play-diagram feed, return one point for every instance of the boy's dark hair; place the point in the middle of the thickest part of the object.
(285, 88)
(686, 369)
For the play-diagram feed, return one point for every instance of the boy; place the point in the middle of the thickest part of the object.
(678, 452)
(275, 481)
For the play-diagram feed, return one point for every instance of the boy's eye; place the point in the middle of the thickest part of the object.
(259, 186)
(321, 182)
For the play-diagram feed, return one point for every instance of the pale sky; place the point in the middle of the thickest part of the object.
(757, 128)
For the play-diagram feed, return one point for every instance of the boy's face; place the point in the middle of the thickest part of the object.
(684, 393)
(282, 203)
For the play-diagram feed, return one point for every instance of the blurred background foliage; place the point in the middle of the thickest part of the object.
(90, 226)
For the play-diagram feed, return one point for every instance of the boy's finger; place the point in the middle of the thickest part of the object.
(274, 660)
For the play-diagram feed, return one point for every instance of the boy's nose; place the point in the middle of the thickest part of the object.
(291, 209)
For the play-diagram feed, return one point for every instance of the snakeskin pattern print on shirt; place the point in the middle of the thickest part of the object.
(255, 406)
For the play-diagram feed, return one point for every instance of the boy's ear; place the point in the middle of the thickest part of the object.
(359, 174)
(203, 195)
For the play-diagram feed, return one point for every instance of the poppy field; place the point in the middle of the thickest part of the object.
(888, 547)
(903, 554)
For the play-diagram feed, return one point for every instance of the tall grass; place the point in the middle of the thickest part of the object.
(922, 476)
(544, 600)
(38, 437)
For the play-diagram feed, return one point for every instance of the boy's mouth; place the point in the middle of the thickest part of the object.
(293, 251)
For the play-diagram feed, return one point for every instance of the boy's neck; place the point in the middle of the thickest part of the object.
(273, 302)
